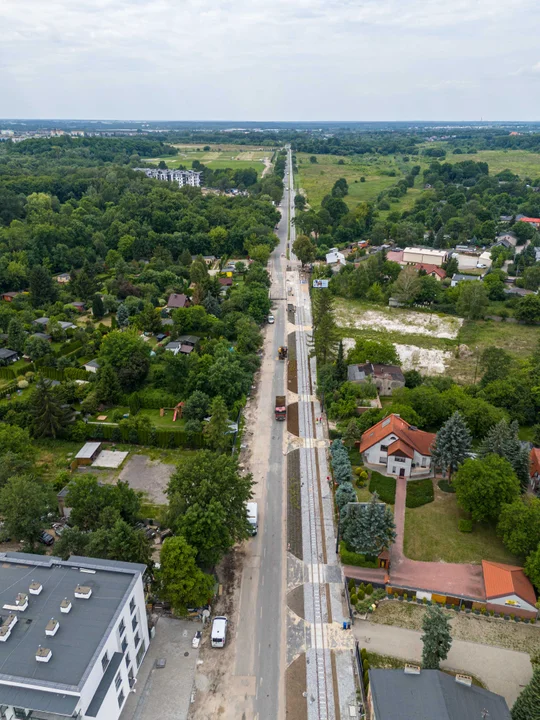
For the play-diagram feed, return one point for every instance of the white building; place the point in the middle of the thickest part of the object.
(182, 177)
(73, 637)
(430, 256)
(335, 257)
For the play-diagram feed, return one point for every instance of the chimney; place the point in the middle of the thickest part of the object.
(83, 592)
(52, 627)
(65, 605)
(412, 669)
(43, 654)
(464, 680)
(35, 588)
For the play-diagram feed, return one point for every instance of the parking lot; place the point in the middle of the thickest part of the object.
(165, 693)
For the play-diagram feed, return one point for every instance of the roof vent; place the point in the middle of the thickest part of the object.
(464, 680)
(20, 604)
(83, 592)
(7, 626)
(412, 669)
(35, 588)
(65, 605)
(43, 654)
(52, 627)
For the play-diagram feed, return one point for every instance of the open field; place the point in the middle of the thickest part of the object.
(218, 157)
(432, 535)
(520, 162)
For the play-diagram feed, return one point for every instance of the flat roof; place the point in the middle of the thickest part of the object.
(39, 700)
(82, 632)
(87, 450)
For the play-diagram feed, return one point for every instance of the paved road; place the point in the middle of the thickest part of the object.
(503, 671)
(260, 639)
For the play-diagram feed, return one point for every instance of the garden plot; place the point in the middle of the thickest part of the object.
(406, 322)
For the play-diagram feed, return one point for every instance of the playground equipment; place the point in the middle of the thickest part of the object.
(177, 411)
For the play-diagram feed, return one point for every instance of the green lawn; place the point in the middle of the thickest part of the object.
(431, 534)
(162, 423)
(520, 162)
(218, 157)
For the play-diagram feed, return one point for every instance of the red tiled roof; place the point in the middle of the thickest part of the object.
(394, 255)
(400, 446)
(535, 221)
(501, 580)
(178, 301)
(225, 281)
(429, 268)
(416, 439)
(535, 461)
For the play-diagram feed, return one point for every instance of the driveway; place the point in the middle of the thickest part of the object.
(165, 693)
(150, 476)
(503, 671)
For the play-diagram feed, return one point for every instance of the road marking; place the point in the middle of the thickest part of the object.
(260, 681)
(259, 649)
(263, 580)
(260, 614)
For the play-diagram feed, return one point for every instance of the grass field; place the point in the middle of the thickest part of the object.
(431, 534)
(520, 162)
(218, 157)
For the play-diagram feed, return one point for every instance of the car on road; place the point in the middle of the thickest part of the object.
(197, 639)
(45, 538)
(270, 319)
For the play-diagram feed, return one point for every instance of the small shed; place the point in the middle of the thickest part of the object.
(9, 296)
(88, 453)
(91, 366)
(8, 356)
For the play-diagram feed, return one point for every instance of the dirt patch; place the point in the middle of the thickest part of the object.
(150, 476)
(294, 505)
(291, 314)
(291, 344)
(292, 419)
(335, 684)
(395, 320)
(295, 601)
(428, 362)
(292, 377)
(473, 628)
(295, 687)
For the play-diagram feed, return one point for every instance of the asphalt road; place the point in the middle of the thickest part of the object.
(260, 648)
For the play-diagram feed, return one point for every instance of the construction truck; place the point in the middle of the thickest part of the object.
(281, 408)
(282, 352)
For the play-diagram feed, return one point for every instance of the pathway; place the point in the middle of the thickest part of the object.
(503, 671)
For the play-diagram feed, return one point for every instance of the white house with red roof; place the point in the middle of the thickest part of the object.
(394, 447)
(508, 585)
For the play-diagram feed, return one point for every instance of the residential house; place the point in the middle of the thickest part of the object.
(42, 321)
(181, 177)
(534, 470)
(335, 257)
(415, 694)
(178, 347)
(457, 278)
(432, 270)
(386, 378)
(9, 296)
(413, 255)
(42, 336)
(508, 586)
(396, 448)
(508, 239)
(8, 356)
(535, 222)
(74, 635)
(188, 340)
(178, 301)
(91, 366)
(225, 282)
(67, 325)
(79, 306)
(63, 278)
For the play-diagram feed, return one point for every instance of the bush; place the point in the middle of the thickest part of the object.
(352, 585)
(366, 680)
(465, 526)
(351, 558)
(419, 492)
(369, 589)
(385, 487)
(353, 598)
(360, 595)
(445, 486)
(363, 654)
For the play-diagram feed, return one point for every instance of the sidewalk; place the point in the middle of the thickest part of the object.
(503, 671)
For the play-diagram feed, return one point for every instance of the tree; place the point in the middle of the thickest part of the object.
(149, 319)
(121, 542)
(496, 364)
(304, 249)
(42, 287)
(324, 325)
(196, 406)
(340, 189)
(128, 355)
(407, 286)
(89, 501)
(528, 309)
(452, 444)
(217, 428)
(345, 494)
(49, 417)
(313, 159)
(23, 504)
(259, 253)
(532, 568)
(122, 316)
(98, 309)
(527, 705)
(16, 335)
(374, 351)
(436, 638)
(503, 440)
(37, 348)
(473, 300)
(341, 365)
(519, 525)
(299, 202)
(368, 528)
(181, 581)
(484, 486)
(205, 481)
(107, 387)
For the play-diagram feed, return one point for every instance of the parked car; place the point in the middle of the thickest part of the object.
(270, 320)
(46, 538)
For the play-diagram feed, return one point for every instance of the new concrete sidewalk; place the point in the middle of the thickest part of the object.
(504, 672)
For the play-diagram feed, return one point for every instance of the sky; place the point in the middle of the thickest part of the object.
(270, 59)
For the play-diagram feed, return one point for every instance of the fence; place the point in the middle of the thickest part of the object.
(360, 672)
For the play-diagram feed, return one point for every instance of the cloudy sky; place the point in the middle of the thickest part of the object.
(270, 59)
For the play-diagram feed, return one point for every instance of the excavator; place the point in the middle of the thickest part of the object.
(282, 352)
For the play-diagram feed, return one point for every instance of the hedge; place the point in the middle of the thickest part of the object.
(419, 492)
(150, 399)
(465, 526)
(152, 436)
(385, 487)
(69, 348)
(12, 387)
(52, 373)
(7, 373)
(76, 373)
(348, 557)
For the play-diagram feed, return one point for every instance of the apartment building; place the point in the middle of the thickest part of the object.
(182, 177)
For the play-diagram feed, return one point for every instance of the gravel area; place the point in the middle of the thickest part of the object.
(152, 477)
(501, 633)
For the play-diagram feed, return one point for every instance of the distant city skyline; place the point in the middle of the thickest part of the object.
(295, 60)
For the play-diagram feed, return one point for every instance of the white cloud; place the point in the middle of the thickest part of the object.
(265, 59)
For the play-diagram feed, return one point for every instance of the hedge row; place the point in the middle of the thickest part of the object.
(64, 374)
(153, 437)
(7, 373)
(348, 557)
(8, 390)
(149, 399)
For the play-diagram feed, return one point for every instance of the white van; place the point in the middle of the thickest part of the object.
(219, 632)
(253, 516)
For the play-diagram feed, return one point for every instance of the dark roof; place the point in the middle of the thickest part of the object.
(38, 700)
(6, 353)
(167, 321)
(41, 321)
(178, 301)
(458, 277)
(76, 646)
(188, 339)
(429, 695)
(104, 685)
(362, 372)
(43, 336)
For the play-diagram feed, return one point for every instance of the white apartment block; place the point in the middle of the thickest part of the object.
(73, 635)
(182, 177)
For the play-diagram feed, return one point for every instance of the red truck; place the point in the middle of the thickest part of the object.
(281, 408)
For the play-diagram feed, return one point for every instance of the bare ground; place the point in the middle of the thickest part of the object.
(295, 686)
(292, 419)
(294, 509)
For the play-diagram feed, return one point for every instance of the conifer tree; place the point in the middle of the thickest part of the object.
(503, 440)
(436, 638)
(122, 315)
(452, 444)
(527, 706)
(16, 335)
(341, 365)
(49, 417)
(369, 528)
(345, 494)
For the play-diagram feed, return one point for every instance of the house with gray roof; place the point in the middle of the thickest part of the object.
(457, 278)
(386, 378)
(73, 635)
(414, 694)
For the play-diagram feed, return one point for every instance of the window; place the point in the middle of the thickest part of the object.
(105, 662)
(424, 462)
(134, 623)
(140, 655)
(137, 639)
(384, 448)
(132, 604)
(400, 459)
(122, 628)
(124, 645)
(383, 460)
(128, 660)
(117, 681)
(121, 699)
